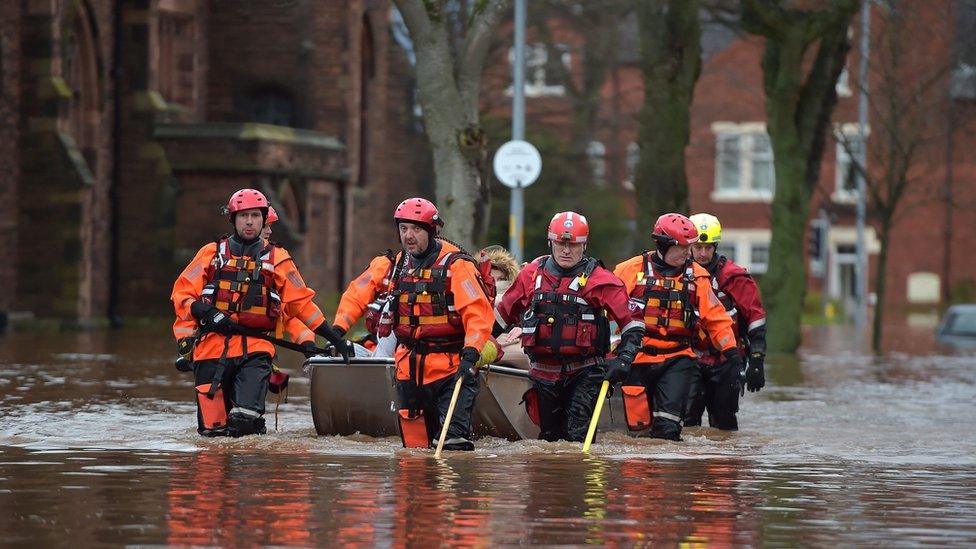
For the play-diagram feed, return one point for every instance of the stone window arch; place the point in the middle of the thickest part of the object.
(81, 70)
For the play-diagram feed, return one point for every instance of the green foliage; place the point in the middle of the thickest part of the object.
(564, 184)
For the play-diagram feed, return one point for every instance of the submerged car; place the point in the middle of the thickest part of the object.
(958, 326)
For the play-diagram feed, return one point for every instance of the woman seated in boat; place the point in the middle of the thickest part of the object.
(504, 269)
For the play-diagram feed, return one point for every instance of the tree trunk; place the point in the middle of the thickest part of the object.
(670, 37)
(881, 286)
(800, 98)
(784, 285)
(448, 94)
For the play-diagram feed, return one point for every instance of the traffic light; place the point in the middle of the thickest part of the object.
(815, 240)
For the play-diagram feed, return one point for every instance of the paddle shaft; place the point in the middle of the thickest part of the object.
(447, 419)
(596, 416)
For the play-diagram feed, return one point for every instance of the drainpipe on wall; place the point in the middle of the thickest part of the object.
(947, 192)
(113, 195)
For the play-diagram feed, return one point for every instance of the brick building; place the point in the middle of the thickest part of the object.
(125, 125)
(730, 162)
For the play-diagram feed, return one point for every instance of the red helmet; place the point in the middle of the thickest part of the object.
(272, 216)
(672, 229)
(245, 199)
(568, 227)
(420, 211)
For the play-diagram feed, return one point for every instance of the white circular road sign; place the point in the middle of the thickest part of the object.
(517, 164)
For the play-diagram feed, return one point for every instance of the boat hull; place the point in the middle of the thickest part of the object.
(361, 398)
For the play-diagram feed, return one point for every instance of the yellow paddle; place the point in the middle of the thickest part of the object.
(596, 416)
(447, 418)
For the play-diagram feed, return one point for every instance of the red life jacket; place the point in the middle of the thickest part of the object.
(725, 271)
(669, 315)
(243, 287)
(560, 325)
(423, 306)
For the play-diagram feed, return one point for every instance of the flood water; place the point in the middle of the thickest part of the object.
(98, 447)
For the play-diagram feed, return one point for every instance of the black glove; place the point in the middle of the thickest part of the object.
(310, 349)
(185, 346)
(342, 347)
(211, 319)
(467, 368)
(755, 372)
(617, 370)
(733, 361)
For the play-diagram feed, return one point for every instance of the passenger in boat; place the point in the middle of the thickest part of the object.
(674, 296)
(561, 302)
(504, 269)
(715, 384)
(433, 299)
(240, 281)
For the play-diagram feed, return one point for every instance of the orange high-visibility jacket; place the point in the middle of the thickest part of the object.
(470, 302)
(296, 303)
(711, 314)
(362, 291)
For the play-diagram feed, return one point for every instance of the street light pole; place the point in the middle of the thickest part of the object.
(516, 206)
(860, 315)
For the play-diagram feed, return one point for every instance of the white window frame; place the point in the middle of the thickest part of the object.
(596, 157)
(745, 132)
(842, 160)
(633, 159)
(536, 58)
(843, 235)
(742, 241)
(843, 85)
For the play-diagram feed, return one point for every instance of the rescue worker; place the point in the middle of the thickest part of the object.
(431, 297)
(674, 296)
(561, 302)
(240, 280)
(715, 384)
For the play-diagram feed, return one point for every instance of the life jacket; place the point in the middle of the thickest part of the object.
(560, 324)
(703, 345)
(243, 287)
(669, 316)
(423, 306)
(379, 319)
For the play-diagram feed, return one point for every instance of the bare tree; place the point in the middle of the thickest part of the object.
(800, 99)
(597, 23)
(671, 59)
(451, 41)
(907, 107)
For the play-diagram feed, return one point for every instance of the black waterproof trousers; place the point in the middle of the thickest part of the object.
(244, 381)
(714, 388)
(667, 386)
(435, 398)
(566, 406)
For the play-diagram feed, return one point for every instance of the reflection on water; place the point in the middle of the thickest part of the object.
(228, 498)
(97, 445)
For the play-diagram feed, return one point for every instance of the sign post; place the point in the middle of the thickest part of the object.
(517, 164)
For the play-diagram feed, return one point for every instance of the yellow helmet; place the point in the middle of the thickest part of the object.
(709, 229)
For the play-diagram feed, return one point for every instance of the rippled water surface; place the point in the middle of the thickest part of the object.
(98, 447)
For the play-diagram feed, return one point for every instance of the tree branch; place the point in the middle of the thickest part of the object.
(471, 58)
